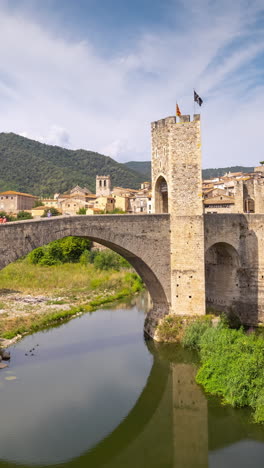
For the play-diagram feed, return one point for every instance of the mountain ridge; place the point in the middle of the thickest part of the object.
(27, 165)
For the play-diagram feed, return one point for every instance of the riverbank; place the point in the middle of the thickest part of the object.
(231, 360)
(33, 297)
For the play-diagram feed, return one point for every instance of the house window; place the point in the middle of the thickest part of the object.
(141, 209)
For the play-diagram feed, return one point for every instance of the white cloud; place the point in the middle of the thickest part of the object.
(106, 103)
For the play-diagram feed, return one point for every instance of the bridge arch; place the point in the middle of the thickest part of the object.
(161, 195)
(136, 238)
(222, 265)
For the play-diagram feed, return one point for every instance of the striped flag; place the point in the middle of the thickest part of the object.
(178, 112)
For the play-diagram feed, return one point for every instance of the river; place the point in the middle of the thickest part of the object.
(94, 393)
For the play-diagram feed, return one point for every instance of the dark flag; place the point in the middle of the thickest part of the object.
(197, 98)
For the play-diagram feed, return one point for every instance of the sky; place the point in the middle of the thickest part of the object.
(93, 75)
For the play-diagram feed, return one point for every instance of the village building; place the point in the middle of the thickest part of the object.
(71, 205)
(80, 191)
(222, 204)
(50, 202)
(13, 202)
(122, 202)
(105, 204)
(235, 192)
(141, 202)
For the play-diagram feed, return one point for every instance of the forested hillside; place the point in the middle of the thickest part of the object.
(32, 167)
(144, 167)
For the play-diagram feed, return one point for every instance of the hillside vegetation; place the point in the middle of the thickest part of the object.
(33, 167)
(144, 168)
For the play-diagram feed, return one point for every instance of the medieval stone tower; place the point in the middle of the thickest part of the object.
(177, 189)
(103, 186)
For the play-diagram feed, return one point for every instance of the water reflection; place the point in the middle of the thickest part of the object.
(143, 408)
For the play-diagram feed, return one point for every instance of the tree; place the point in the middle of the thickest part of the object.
(38, 203)
(261, 162)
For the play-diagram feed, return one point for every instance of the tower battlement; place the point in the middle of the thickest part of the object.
(173, 120)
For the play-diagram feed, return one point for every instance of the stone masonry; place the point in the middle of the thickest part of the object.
(176, 162)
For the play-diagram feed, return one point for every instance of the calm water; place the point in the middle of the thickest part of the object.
(96, 394)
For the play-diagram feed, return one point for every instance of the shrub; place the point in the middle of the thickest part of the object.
(194, 332)
(49, 260)
(66, 250)
(82, 211)
(35, 256)
(54, 212)
(107, 260)
(73, 247)
(85, 257)
(24, 215)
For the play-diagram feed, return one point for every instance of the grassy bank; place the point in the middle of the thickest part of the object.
(232, 364)
(69, 289)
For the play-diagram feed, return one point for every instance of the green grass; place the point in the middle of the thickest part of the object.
(66, 279)
(232, 365)
(75, 282)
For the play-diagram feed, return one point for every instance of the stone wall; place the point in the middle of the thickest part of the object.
(234, 254)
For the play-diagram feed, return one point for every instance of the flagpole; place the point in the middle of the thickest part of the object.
(193, 103)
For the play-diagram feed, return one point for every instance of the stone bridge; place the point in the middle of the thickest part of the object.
(233, 255)
(143, 240)
(187, 259)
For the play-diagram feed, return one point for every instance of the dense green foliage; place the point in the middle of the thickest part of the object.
(144, 168)
(33, 167)
(232, 365)
(68, 249)
(193, 333)
(107, 260)
(76, 249)
(24, 215)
